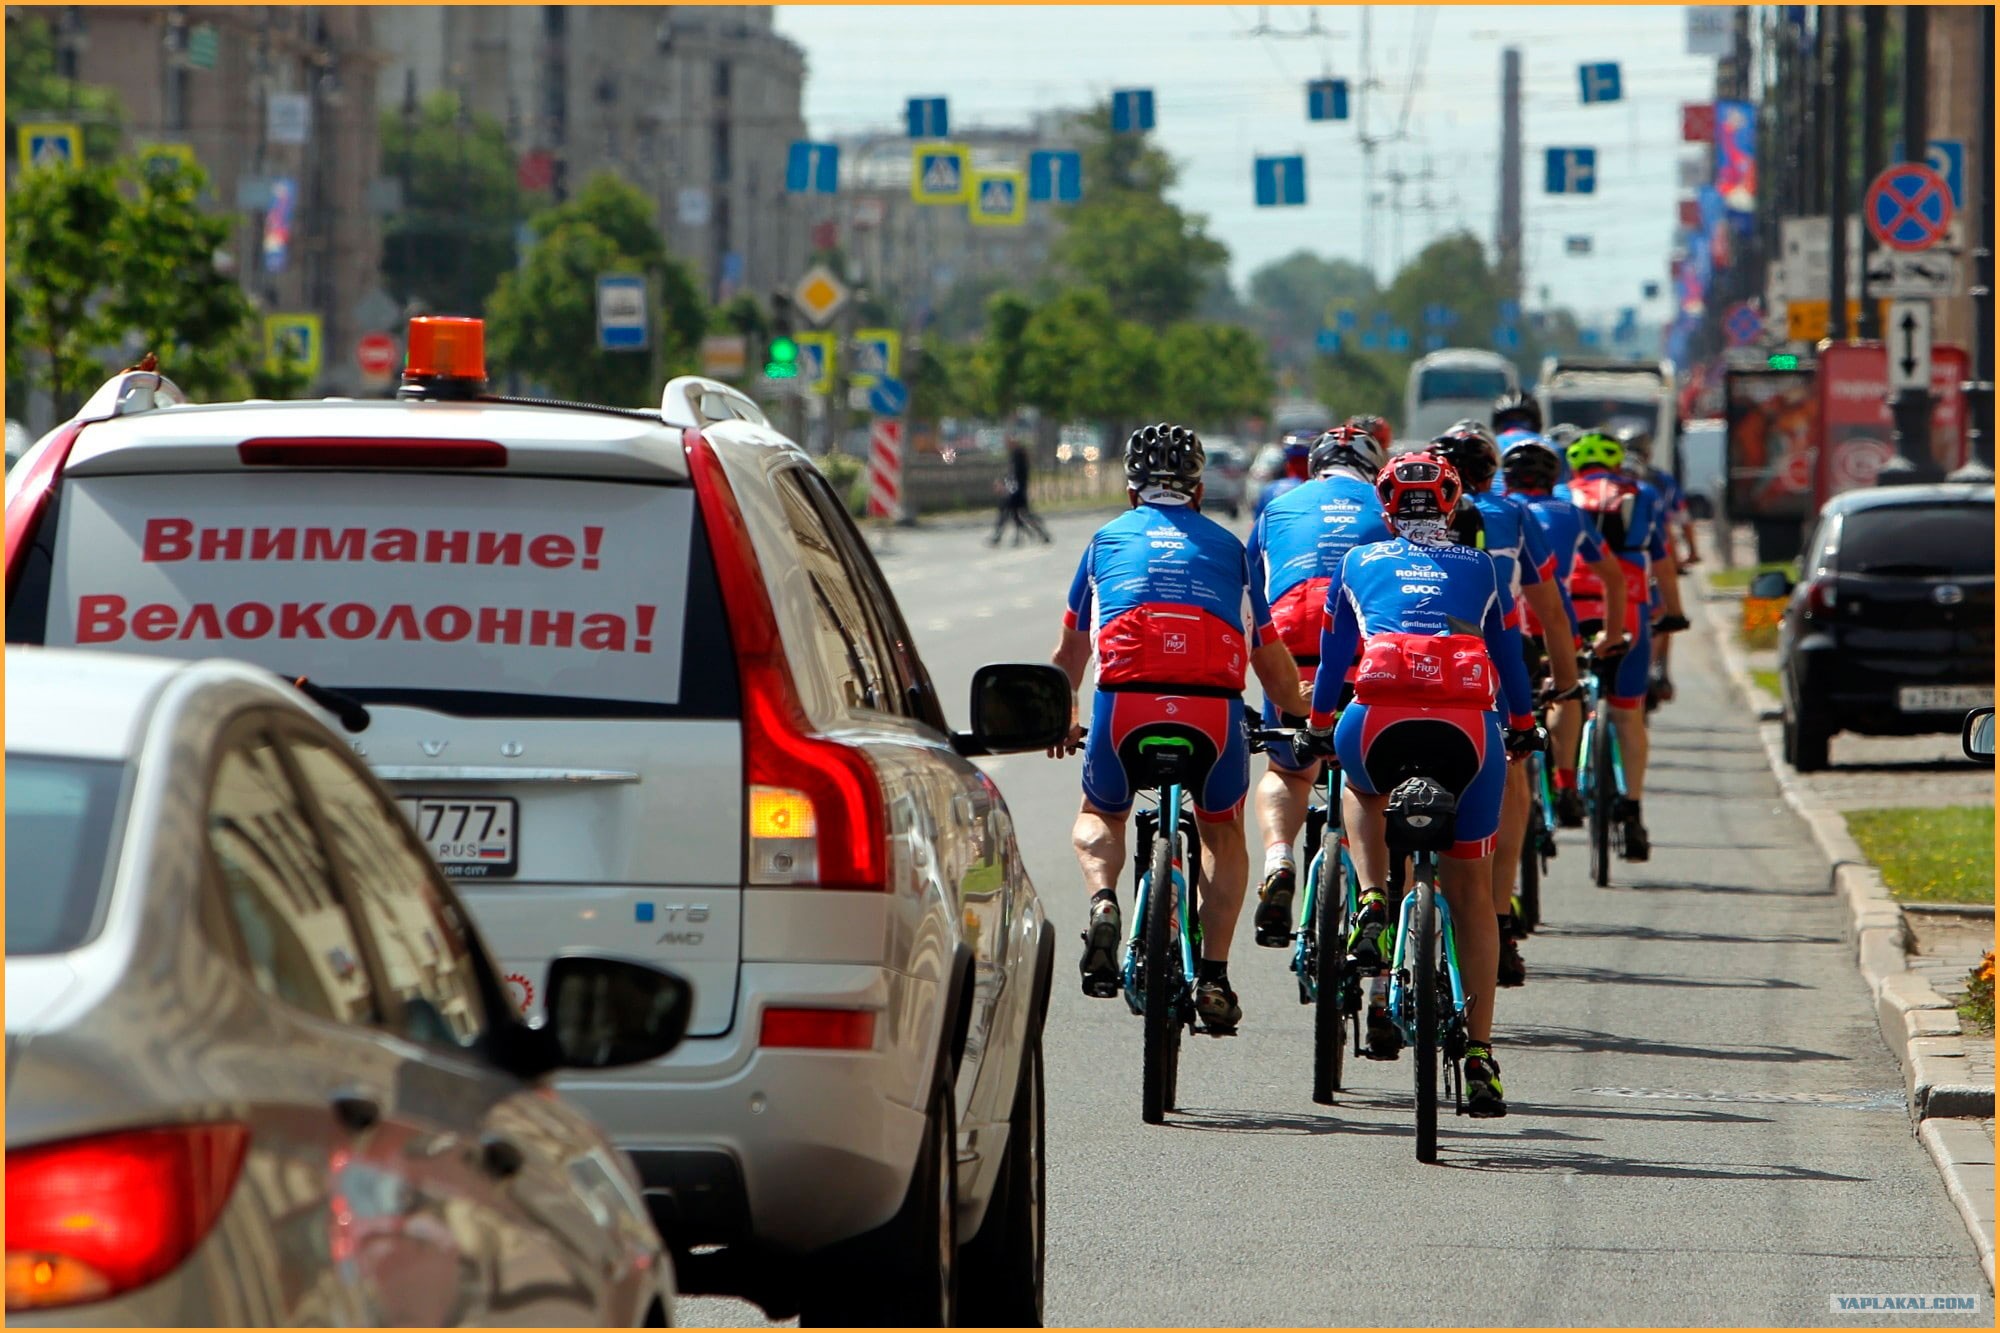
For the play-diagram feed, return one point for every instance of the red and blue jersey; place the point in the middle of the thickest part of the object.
(1296, 547)
(1626, 515)
(1514, 540)
(1571, 538)
(1404, 596)
(1160, 590)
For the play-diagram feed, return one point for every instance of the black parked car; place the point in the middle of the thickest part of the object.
(1891, 633)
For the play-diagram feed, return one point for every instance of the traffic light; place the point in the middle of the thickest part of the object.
(782, 362)
(1783, 361)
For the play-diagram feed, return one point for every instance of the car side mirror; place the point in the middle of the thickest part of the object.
(1977, 737)
(1016, 707)
(607, 1012)
(1771, 583)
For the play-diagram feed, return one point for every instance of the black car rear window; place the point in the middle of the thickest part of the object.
(1953, 538)
(60, 817)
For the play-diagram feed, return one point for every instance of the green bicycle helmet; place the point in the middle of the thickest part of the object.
(1594, 448)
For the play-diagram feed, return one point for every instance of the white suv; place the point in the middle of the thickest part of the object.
(641, 688)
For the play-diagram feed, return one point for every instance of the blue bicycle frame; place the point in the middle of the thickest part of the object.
(1169, 814)
(1402, 1000)
(1333, 784)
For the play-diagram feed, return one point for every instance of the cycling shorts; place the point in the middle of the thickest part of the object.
(1130, 731)
(1280, 752)
(1461, 749)
(1635, 669)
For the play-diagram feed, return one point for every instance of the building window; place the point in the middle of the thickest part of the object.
(722, 78)
(555, 19)
(174, 95)
(721, 152)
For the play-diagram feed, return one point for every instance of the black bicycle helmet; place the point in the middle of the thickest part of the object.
(1376, 427)
(1164, 455)
(1516, 411)
(1470, 447)
(1347, 446)
(1531, 465)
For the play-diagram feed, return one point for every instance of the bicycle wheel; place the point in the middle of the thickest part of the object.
(1603, 791)
(1163, 986)
(1423, 958)
(1329, 925)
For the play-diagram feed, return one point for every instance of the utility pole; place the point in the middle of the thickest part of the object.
(1835, 97)
(1979, 392)
(1912, 407)
(1874, 123)
(1364, 90)
(1508, 238)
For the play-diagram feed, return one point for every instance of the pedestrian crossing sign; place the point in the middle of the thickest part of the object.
(939, 173)
(294, 337)
(999, 199)
(816, 361)
(51, 145)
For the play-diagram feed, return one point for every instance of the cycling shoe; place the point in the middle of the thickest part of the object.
(1099, 963)
(1273, 921)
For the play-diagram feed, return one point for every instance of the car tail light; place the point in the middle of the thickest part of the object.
(304, 451)
(1821, 599)
(96, 1217)
(819, 1029)
(815, 806)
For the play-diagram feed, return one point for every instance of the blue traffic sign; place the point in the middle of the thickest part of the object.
(1433, 342)
(1947, 158)
(1439, 316)
(1281, 181)
(1371, 341)
(1399, 339)
(1742, 324)
(621, 312)
(1055, 175)
(1131, 110)
(1590, 337)
(1571, 171)
(1507, 338)
(1327, 340)
(888, 398)
(1600, 82)
(1347, 319)
(812, 168)
(1510, 312)
(1326, 99)
(927, 117)
(1908, 207)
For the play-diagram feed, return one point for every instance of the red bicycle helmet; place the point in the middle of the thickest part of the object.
(1418, 486)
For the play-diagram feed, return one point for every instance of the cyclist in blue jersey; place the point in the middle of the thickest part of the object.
(1434, 622)
(1296, 546)
(1529, 466)
(1298, 469)
(1679, 522)
(1505, 529)
(1159, 598)
(1625, 513)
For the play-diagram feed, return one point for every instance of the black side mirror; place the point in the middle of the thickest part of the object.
(1016, 706)
(606, 1012)
(1771, 583)
(1977, 737)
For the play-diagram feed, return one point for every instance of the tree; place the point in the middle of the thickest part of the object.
(60, 221)
(1452, 272)
(1213, 374)
(454, 238)
(1003, 351)
(36, 91)
(1291, 298)
(1351, 383)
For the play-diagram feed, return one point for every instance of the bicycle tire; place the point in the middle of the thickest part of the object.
(1603, 791)
(1163, 969)
(1330, 977)
(1531, 877)
(1424, 978)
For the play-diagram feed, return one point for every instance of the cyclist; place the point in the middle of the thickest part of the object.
(1298, 468)
(1530, 467)
(1296, 547)
(1435, 624)
(1679, 522)
(1159, 597)
(1625, 513)
(1376, 427)
(1506, 530)
(1516, 411)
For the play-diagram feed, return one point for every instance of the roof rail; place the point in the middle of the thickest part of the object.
(694, 401)
(130, 392)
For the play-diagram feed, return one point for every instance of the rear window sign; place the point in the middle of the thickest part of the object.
(411, 582)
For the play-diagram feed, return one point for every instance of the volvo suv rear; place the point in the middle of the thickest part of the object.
(641, 689)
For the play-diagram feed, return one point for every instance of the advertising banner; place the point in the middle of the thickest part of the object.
(1773, 418)
(1858, 430)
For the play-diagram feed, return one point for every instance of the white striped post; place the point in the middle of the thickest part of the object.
(885, 468)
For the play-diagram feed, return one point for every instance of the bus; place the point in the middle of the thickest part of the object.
(1452, 384)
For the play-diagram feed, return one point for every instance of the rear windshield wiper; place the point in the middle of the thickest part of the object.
(348, 709)
(1901, 567)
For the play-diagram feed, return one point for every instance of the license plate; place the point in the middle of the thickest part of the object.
(1943, 698)
(471, 837)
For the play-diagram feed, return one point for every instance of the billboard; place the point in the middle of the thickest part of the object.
(1773, 420)
(1858, 431)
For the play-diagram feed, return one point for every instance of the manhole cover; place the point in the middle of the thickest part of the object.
(1852, 1099)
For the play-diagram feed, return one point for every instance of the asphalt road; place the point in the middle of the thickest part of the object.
(1706, 1127)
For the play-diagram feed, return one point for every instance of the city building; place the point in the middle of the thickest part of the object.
(696, 106)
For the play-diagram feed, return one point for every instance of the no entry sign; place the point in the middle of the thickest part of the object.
(377, 354)
(1908, 207)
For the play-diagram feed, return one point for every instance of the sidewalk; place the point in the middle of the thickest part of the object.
(1915, 961)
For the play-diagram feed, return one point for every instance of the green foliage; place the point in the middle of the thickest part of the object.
(1213, 374)
(454, 238)
(741, 313)
(169, 292)
(1294, 297)
(542, 321)
(1003, 352)
(1354, 382)
(1930, 853)
(35, 91)
(60, 223)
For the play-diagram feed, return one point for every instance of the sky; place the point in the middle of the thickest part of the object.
(1224, 96)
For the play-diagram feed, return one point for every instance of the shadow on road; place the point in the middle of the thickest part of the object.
(1754, 890)
(1612, 976)
(1659, 935)
(1588, 1040)
(1522, 1109)
(1283, 1122)
(1560, 1162)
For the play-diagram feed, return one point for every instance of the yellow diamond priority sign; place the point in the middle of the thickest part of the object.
(819, 294)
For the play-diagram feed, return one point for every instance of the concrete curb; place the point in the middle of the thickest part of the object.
(1918, 1024)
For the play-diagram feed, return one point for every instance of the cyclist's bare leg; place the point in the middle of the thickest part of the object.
(1367, 836)
(1225, 869)
(1281, 803)
(1467, 886)
(1099, 840)
(1566, 733)
(1514, 802)
(1630, 724)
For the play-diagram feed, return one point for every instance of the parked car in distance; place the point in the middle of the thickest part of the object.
(260, 1068)
(1225, 477)
(1891, 632)
(641, 686)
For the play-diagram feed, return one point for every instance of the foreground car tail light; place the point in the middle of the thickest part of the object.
(815, 810)
(1821, 598)
(819, 1029)
(97, 1217)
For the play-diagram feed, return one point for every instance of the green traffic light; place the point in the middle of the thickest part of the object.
(1783, 361)
(784, 350)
